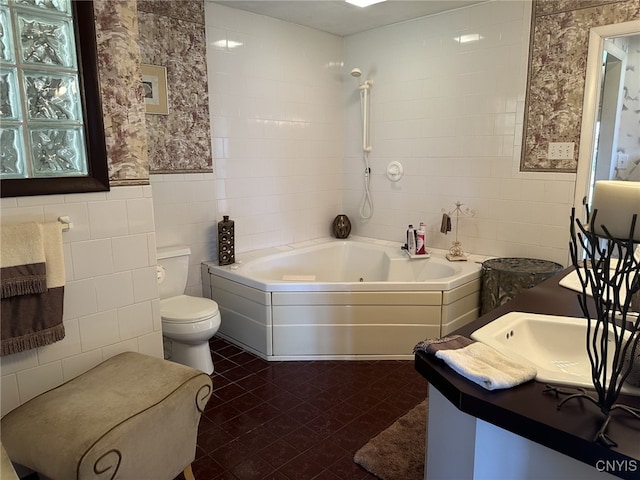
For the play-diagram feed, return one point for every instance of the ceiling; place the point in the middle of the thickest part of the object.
(341, 18)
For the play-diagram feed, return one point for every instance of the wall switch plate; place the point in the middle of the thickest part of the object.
(560, 151)
(622, 162)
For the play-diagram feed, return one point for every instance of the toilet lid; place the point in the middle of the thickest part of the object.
(187, 309)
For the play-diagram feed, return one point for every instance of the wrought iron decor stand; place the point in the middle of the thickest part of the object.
(456, 252)
(611, 273)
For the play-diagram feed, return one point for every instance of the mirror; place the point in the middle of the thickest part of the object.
(52, 137)
(611, 111)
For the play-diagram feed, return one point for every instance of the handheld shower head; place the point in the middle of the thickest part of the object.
(356, 72)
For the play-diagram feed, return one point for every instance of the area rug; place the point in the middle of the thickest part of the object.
(397, 453)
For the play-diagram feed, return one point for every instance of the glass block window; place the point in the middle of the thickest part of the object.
(41, 114)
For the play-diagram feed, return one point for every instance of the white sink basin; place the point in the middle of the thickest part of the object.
(554, 345)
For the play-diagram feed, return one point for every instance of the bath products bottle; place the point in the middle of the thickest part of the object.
(421, 237)
(411, 240)
(226, 240)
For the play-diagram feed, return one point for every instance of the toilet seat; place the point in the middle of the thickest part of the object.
(187, 309)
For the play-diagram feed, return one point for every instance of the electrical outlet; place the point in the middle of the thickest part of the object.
(623, 161)
(560, 151)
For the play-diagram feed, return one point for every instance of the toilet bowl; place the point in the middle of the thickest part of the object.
(187, 322)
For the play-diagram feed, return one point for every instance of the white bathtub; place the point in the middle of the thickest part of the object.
(341, 299)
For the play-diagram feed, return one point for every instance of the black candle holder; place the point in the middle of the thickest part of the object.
(608, 269)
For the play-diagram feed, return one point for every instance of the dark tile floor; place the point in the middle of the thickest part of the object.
(298, 420)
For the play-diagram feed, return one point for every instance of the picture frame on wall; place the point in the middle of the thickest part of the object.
(154, 84)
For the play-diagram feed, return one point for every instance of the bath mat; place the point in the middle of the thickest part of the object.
(397, 453)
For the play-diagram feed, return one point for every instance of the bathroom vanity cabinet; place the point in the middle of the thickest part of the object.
(519, 433)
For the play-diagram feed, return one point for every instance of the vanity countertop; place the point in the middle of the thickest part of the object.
(531, 413)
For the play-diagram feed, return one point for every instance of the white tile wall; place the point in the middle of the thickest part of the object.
(276, 113)
(450, 112)
(185, 214)
(110, 291)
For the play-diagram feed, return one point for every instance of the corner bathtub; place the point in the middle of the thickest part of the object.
(340, 299)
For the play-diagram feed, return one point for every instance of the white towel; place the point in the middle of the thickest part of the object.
(486, 366)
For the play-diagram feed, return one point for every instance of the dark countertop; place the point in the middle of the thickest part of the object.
(525, 410)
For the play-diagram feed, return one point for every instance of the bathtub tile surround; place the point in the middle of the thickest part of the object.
(298, 420)
(276, 117)
(451, 112)
(287, 141)
(111, 293)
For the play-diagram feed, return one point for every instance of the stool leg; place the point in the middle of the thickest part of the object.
(188, 473)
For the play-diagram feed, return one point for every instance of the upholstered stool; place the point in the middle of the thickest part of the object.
(131, 417)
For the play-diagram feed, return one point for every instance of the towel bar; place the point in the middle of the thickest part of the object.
(66, 223)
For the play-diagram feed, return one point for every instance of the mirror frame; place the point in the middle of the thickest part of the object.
(591, 100)
(97, 178)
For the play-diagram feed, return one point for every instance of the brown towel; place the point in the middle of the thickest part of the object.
(35, 319)
(432, 345)
(445, 226)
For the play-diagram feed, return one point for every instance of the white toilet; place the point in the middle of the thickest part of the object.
(187, 322)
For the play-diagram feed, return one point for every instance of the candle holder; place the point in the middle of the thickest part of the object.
(610, 273)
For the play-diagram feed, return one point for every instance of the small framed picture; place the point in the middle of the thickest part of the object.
(154, 86)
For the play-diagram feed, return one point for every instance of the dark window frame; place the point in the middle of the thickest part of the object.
(97, 178)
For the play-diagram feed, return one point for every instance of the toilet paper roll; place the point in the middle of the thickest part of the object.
(616, 202)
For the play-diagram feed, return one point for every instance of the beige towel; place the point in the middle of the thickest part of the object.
(35, 319)
(53, 253)
(22, 260)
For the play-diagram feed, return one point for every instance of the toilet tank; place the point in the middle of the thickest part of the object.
(173, 269)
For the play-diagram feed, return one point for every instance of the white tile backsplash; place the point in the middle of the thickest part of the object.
(113, 291)
(135, 320)
(145, 285)
(92, 258)
(129, 252)
(80, 298)
(108, 219)
(151, 344)
(34, 381)
(78, 364)
(140, 215)
(99, 330)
